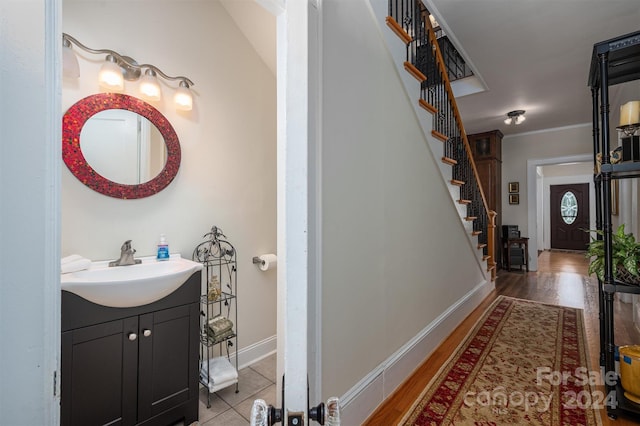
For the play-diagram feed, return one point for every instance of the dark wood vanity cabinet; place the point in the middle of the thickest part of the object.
(131, 366)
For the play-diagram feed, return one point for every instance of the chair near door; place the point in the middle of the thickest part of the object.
(515, 248)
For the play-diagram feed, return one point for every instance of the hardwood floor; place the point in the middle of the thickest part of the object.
(561, 279)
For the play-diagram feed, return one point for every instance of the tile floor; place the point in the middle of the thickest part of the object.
(233, 409)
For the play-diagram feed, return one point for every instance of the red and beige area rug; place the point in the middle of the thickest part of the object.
(524, 363)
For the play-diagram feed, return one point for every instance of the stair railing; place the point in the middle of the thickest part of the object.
(409, 19)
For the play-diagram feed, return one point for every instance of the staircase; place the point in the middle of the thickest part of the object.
(409, 20)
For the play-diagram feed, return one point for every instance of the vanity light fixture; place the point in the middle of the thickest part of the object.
(149, 87)
(516, 117)
(118, 68)
(183, 98)
(110, 76)
(70, 67)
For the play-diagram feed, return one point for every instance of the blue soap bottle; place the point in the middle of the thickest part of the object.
(163, 248)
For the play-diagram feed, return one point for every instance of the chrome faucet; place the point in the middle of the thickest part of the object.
(126, 256)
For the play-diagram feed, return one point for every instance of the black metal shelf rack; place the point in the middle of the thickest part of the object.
(218, 257)
(613, 62)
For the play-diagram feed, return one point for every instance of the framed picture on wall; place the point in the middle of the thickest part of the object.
(514, 187)
(514, 198)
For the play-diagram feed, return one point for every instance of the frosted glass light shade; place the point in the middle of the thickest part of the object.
(520, 119)
(110, 75)
(149, 87)
(183, 98)
(70, 67)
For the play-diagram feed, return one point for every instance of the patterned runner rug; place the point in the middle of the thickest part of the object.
(524, 363)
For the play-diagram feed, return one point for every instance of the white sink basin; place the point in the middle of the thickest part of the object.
(134, 285)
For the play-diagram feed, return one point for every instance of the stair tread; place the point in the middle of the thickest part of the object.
(464, 201)
(481, 246)
(426, 105)
(449, 161)
(470, 218)
(476, 233)
(457, 182)
(439, 135)
(398, 30)
(415, 72)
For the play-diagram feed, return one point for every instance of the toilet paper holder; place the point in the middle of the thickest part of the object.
(266, 261)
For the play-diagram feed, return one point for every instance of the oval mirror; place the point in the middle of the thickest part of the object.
(123, 146)
(120, 146)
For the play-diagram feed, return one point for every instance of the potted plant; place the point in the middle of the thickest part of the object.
(625, 256)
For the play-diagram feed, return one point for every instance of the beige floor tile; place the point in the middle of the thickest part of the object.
(218, 406)
(229, 408)
(250, 383)
(228, 418)
(268, 394)
(266, 367)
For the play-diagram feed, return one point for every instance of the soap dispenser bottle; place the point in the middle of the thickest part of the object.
(163, 248)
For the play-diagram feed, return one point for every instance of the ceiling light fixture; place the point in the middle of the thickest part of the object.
(516, 117)
(118, 68)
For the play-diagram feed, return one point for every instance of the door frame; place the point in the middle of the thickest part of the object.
(299, 292)
(298, 203)
(532, 187)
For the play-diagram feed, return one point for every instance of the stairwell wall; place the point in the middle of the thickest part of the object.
(395, 259)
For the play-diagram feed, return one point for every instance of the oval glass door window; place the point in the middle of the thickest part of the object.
(569, 207)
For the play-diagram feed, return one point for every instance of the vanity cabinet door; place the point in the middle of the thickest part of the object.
(168, 362)
(99, 374)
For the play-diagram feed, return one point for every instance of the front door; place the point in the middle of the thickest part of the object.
(569, 205)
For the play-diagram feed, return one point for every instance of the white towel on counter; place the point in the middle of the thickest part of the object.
(221, 373)
(70, 258)
(75, 265)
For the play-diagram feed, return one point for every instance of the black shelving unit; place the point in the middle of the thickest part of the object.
(613, 62)
(218, 257)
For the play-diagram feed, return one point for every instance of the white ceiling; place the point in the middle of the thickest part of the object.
(530, 54)
(258, 25)
(534, 55)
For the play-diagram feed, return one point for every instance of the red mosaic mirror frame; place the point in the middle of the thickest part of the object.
(81, 111)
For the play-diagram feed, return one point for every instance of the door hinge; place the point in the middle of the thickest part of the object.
(55, 383)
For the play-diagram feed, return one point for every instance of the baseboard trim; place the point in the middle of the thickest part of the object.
(362, 399)
(257, 351)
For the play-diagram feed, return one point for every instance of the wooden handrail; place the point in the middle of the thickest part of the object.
(491, 215)
(454, 105)
(491, 240)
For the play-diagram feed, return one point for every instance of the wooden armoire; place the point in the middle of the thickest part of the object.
(487, 154)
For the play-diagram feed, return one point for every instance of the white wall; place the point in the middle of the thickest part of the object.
(29, 212)
(395, 254)
(518, 149)
(228, 172)
(521, 154)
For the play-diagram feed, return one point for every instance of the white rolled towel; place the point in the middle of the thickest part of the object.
(75, 265)
(220, 370)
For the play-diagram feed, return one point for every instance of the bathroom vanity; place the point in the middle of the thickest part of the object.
(133, 365)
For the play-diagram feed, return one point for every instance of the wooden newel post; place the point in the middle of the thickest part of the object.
(491, 244)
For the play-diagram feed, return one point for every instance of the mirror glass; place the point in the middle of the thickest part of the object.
(123, 146)
(120, 146)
